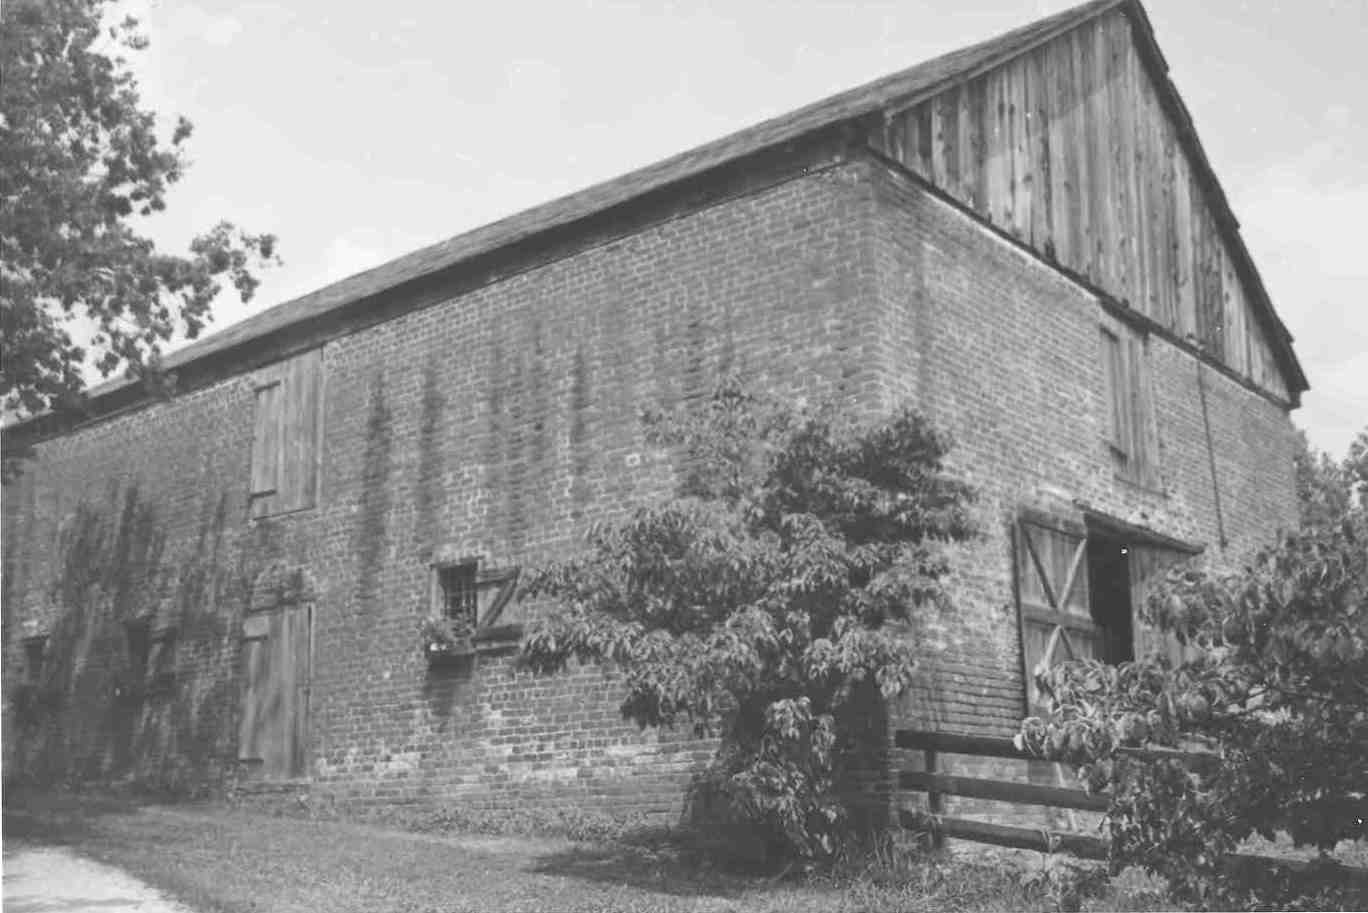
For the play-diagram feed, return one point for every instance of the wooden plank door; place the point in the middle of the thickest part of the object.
(273, 733)
(1053, 599)
(1148, 565)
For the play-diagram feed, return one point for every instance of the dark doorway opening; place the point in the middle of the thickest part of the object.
(1109, 583)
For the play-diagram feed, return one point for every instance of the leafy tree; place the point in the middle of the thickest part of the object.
(80, 163)
(1278, 690)
(766, 599)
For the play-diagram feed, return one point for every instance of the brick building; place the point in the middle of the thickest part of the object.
(1022, 238)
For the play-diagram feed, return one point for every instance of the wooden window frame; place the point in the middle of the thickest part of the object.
(485, 628)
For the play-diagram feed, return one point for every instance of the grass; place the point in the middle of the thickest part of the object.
(219, 859)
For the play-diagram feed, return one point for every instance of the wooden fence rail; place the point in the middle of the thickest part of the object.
(938, 785)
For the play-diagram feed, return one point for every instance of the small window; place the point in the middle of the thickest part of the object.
(286, 434)
(474, 599)
(1130, 431)
(35, 652)
(460, 596)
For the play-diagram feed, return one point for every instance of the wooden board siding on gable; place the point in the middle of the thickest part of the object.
(1068, 148)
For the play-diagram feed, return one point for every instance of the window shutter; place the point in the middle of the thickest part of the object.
(1118, 404)
(285, 448)
(1145, 469)
(266, 447)
(1131, 432)
(299, 431)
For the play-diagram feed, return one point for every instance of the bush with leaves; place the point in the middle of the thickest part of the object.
(766, 599)
(1277, 689)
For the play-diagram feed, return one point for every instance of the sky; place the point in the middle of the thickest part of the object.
(359, 132)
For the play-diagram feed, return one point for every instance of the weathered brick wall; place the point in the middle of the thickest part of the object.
(1002, 352)
(500, 423)
(139, 515)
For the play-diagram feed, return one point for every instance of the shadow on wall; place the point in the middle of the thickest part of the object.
(109, 710)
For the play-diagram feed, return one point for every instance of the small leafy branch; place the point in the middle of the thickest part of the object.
(773, 601)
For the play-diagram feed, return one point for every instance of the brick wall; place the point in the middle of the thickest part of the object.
(1002, 352)
(502, 421)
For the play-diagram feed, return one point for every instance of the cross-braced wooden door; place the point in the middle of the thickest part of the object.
(1053, 597)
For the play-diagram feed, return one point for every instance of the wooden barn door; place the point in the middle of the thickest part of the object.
(1053, 599)
(273, 735)
(1148, 565)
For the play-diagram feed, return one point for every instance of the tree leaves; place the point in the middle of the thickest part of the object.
(1278, 689)
(79, 160)
(760, 602)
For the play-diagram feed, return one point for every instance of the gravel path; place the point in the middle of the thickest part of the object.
(54, 880)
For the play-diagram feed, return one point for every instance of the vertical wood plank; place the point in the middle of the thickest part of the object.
(907, 123)
(275, 700)
(1160, 191)
(964, 140)
(1059, 75)
(980, 138)
(1232, 316)
(1211, 301)
(265, 471)
(1166, 226)
(1141, 174)
(889, 140)
(1022, 170)
(300, 623)
(946, 161)
(1038, 93)
(925, 139)
(998, 166)
(311, 407)
(253, 673)
(299, 405)
(1121, 131)
(1098, 190)
(1184, 260)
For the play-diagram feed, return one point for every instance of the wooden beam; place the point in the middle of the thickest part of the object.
(1001, 791)
(1002, 747)
(1025, 838)
(1087, 847)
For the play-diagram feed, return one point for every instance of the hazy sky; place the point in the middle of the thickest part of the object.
(358, 132)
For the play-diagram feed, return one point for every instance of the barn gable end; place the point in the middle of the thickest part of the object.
(1079, 146)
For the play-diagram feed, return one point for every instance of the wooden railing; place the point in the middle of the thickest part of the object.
(937, 785)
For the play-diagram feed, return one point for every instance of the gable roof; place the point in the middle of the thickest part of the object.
(899, 90)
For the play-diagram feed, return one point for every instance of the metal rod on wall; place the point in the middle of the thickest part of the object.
(1211, 453)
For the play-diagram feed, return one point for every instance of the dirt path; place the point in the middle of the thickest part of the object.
(55, 880)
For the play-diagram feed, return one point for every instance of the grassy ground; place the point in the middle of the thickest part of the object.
(225, 860)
